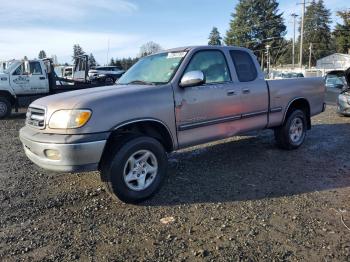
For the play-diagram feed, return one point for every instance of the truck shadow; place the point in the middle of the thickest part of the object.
(19, 115)
(253, 168)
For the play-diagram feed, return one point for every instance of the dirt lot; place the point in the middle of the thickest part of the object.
(240, 200)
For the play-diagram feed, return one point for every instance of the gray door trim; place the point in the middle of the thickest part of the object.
(226, 119)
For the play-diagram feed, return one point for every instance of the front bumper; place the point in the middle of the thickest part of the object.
(77, 155)
(343, 107)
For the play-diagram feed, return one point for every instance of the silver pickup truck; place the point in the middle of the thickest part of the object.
(167, 101)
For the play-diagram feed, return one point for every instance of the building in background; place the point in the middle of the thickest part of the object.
(335, 61)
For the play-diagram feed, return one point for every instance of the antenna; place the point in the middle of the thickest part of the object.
(107, 51)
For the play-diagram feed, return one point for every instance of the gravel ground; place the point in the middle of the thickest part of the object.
(241, 199)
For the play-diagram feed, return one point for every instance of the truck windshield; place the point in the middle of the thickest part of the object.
(11, 66)
(155, 69)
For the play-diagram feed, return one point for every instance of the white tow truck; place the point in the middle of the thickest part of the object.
(24, 81)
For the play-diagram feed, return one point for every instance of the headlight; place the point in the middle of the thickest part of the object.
(63, 119)
(342, 98)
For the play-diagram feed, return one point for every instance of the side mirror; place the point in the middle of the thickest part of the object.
(26, 68)
(192, 78)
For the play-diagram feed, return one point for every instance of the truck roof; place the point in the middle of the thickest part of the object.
(188, 48)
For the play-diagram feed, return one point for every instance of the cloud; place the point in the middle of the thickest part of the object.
(29, 42)
(60, 10)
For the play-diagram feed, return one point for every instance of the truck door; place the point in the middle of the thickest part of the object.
(37, 78)
(212, 110)
(253, 89)
(80, 70)
(19, 80)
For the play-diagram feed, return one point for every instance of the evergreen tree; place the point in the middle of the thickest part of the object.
(42, 54)
(284, 54)
(117, 63)
(214, 37)
(77, 51)
(317, 32)
(92, 61)
(342, 33)
(256, 23)
(112, 62)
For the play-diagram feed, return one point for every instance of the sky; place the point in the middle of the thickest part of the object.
(28, 26)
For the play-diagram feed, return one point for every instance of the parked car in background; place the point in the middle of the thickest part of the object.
(111, 73)
(343, 101)
(289, 75)
(335, 83)
(67, 72)
(167, 101)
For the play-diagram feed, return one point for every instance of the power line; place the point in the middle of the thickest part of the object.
(263, 49)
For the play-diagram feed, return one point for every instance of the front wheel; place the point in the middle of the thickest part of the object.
(291, 134)
(134, 169)
(5, 107)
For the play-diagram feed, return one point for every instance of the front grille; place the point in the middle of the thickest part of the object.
(36, 117)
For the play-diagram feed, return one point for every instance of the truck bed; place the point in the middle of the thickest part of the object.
(284, 91)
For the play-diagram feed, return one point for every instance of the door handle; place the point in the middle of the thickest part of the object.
(231, 92)
(246, 91)
(42, 78)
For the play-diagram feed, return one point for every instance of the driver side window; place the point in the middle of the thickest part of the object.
(19, 70)
(213, 65)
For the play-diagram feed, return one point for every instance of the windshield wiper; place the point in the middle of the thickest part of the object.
(140, 82)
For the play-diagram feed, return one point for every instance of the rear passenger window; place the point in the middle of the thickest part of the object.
(244, 64)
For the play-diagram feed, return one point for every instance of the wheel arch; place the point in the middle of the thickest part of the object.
(8, 95)
(300, 103)
(145, 126)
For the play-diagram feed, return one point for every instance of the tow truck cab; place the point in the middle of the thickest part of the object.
(24, 81)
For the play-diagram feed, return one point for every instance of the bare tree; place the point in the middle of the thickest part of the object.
(149, 48)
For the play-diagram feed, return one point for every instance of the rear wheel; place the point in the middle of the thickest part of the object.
(291, 134)
(134, 169)
(5, 107)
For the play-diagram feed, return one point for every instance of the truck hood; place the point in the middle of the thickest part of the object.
(84, 97)
(4, 79)
(110, 105)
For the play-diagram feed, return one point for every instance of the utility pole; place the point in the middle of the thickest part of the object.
(294, 15)
(302, 34)
(262, 60)
(268, 59)
(310, 48)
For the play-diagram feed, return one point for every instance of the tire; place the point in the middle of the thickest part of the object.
(291, 134)
(134, 182)
(5, 107)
